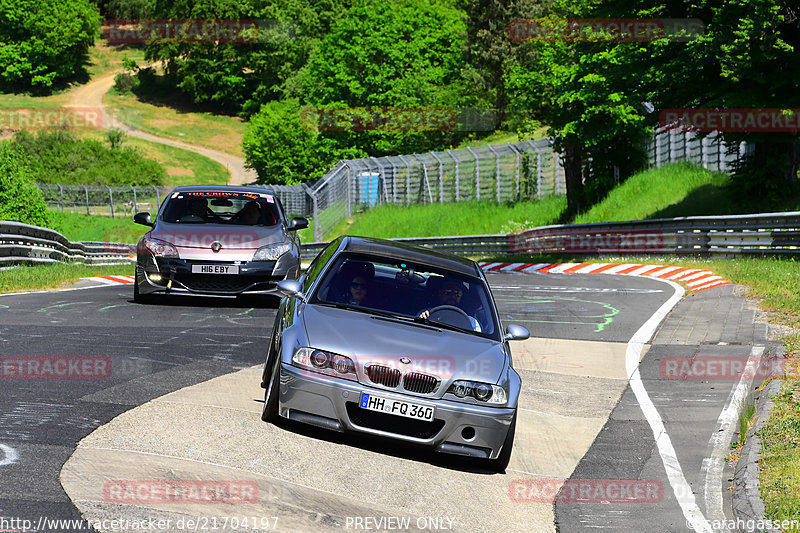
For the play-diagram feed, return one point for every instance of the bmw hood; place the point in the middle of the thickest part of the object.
(230, 237)
(371, 339)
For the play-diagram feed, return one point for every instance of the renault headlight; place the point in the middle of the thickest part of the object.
(160, 248)
(271, 252)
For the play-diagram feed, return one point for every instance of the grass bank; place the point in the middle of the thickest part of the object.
(53, 276)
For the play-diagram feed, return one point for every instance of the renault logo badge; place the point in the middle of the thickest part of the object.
(216, 246)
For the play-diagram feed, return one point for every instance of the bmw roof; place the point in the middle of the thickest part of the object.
(411, 253)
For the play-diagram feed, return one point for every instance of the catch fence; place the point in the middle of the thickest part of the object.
(507, 172)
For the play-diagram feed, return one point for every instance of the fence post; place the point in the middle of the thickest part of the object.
(497, 169)
(518, 165)
(394, 180)
(135, 202)
(111, 200)
(158, 198)
(87, 198)
(381, 179)
(441, 177)
(458, 174)
(349, 185)
(477, 173)
(426, 183)
(314, 212)
(61, 198)
(538, 170)
(408, 179)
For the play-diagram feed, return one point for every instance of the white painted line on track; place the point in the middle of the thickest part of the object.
(677, 479)
(720, 440)
(9, 455)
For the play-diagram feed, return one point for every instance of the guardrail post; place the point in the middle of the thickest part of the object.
(477, 173)
(497, 169)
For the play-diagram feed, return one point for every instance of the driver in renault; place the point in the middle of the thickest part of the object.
(450, 293)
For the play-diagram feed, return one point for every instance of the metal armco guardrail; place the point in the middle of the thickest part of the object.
(25, 244)
(769, 233)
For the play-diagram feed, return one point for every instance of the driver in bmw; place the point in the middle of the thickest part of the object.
(450, 293)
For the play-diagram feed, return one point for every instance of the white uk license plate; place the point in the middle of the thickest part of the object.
(396, 407)
(215, 269)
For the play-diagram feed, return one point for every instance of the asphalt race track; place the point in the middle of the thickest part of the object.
(171, 393)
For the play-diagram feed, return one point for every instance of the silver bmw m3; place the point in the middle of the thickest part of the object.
(398, 341)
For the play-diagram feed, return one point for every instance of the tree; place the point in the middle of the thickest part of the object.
(282, 148)
(240, 75)
(406, 56)
(589, 94)
(43, 42)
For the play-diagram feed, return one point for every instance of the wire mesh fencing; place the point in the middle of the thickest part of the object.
(507, 172)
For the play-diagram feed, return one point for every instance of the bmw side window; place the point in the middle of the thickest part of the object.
(318, 263)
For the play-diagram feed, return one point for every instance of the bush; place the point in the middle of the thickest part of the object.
(125, 82)
(20, 199)
(59, 157)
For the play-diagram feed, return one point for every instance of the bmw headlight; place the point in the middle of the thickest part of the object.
(160, 248)
(324, 362)
(271, 252)
(483, 392)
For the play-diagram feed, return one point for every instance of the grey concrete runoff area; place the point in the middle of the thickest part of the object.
(613, 432)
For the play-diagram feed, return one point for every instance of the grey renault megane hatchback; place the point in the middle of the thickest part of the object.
(398, 341)
(217, 241)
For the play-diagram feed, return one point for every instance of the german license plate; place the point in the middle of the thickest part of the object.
(396, 407)
(215, 269)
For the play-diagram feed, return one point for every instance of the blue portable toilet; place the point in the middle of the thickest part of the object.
(368, 183)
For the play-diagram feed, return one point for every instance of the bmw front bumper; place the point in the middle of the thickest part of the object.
(333, 403)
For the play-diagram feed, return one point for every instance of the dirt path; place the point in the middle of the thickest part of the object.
(91, 95)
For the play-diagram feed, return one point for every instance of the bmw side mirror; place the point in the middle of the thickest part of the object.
(143, 219)
(298, 223)
(516, 333)
(290, 288)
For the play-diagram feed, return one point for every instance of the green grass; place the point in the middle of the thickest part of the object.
(675, 190)
(780, 456)
(54, 276)
(463, 218)
(81, 227)
(183, 167)
(166, 119)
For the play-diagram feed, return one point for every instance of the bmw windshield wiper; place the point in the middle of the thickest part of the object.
(368, 310)
(443, 325)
